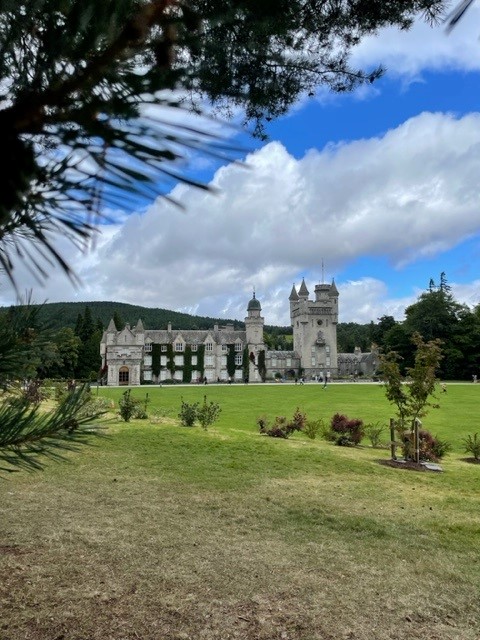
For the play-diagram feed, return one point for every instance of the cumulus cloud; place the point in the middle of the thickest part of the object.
(408, 53)
(412, 193)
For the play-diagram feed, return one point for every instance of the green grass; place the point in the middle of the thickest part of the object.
(162, 531)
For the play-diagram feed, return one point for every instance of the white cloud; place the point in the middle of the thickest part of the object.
(408, 53)
(410, 194)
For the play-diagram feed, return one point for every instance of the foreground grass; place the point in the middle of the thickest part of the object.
(167, 532)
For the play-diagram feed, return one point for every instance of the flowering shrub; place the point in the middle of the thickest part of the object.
(346, 432)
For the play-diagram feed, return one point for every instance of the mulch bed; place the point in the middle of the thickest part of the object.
(408, 465)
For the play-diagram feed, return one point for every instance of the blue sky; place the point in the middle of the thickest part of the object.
(382, 185)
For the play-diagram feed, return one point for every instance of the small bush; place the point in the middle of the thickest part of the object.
(346, 432)
(208, 413)
(188, 413)
(126, 406)
(282, 428)
(313, 428)
(262, 423)
(374, 432)
(431, 448)
(472, 445)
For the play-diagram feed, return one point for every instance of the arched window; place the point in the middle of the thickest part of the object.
(123, 375)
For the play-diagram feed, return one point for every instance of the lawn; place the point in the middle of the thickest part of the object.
(164, 532)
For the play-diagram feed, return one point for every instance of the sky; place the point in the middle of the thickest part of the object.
(379, 190)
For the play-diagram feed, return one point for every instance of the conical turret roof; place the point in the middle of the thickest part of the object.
(303, 291)
(333, 289)
(293, 294)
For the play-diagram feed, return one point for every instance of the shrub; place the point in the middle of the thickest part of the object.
(126, 406)
(282, 428)
(346, 432)
(472, 445)
(208, 413)
(374, 432)
(313, 427)
(188, 413)
(431, 448)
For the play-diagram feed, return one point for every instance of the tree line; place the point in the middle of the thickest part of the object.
(434, 315)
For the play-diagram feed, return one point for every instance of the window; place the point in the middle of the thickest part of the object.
(327, 349)
(238, 374)
(164, 347)
(238, 346)
(313, 361)
(148, 346)
(147, 361)
(178, 375)
(238, 358)
(147, 375)
(274, 362)
(163, 361)
(194, 360)
(123, 375)
(179, 346)
(327, 361)
(289, 362)
(224, 348)
(178, 361)
(209, 346)
(194, 347)
(209, 361)
(223, 361)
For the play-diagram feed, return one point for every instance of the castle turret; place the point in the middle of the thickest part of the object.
(314, 325)
(254, 324)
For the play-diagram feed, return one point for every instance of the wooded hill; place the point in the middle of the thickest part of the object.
(57, 315)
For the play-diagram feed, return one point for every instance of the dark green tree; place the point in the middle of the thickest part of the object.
(117, 320)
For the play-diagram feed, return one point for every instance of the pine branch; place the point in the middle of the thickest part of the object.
(29, 436)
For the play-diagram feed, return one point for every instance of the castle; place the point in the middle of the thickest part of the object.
(133, 356)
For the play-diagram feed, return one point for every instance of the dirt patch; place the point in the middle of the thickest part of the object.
(471, 460)
(11, 550)
(408, 465)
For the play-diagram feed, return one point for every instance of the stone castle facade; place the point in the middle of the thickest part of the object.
(133, 356)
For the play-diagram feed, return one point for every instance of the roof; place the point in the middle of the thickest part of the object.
(303, 291)
(254, 304)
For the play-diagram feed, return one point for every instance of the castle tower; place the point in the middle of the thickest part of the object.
(254, 328)
(314, 325)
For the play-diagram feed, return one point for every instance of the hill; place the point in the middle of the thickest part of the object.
(64, 314)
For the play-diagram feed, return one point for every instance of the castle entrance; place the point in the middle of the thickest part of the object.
(123, 375)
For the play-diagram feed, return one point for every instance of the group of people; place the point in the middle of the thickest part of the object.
(322, 379)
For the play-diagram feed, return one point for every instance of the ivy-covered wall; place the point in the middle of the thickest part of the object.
(231, 360)
(245, 364)
(262, 370)
(187, 365)
(156, 366)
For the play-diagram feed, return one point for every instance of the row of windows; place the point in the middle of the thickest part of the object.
(180, 347)
(209, 360)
